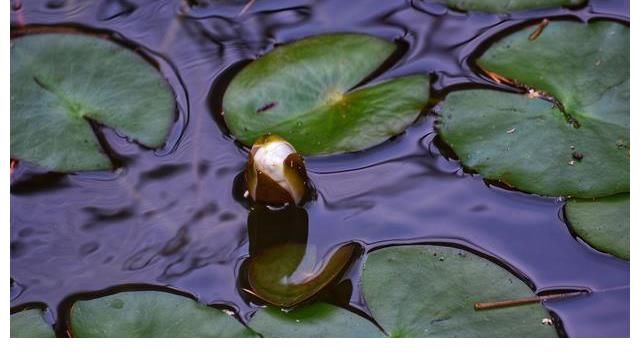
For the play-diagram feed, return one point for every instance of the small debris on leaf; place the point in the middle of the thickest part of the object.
(577, 156)
(531, 93)
(511, 131)
(496, 77)
(534, 35)
(547, 321)
(266, 107)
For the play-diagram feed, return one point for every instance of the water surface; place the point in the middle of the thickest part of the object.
(175, 217)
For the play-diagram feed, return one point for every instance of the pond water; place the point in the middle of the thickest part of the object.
(176, 216)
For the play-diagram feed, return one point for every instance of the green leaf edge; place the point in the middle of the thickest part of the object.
(246, 332)
(299, 314)
(38, 325)
(572, 213)
(487, 6)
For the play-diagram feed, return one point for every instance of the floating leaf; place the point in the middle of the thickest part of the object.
(151, 314)
(603, 223)
(430, 291)
(319, 320)
(304, 92)
(576, 144)
(507, 5)
(30, 324)
(61, 82)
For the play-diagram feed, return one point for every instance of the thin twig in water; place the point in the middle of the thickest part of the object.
(246, 7)
(497, 78)
(525, 301)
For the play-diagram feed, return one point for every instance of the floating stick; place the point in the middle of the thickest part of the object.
(525, 301)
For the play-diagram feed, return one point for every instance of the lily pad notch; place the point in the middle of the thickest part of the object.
(60, 82)
(567, 135)
(309, 92)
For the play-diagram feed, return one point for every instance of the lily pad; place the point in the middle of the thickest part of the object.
(603, 223)
(306, 93)
(501, 6)
(430, 291)
(30, 324)
(568, 136)
(319, 320)
(61, 82)
(151, 314)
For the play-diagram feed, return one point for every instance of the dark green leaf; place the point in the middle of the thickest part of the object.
(151, 314)
(61, 81)
(312, 321)
(304, 92)
(30, 324)
(507, 5)
(578, 146)
(430, 291)
(603, 223)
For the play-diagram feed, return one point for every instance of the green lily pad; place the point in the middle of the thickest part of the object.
(501, 6)
(603, 223)
(319, 320)
(61, 81)
(304, 92)
(575, 144)
(151, 314)
(430, 291)
(30, 324)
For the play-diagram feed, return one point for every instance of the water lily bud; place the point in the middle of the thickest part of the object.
(275, 173)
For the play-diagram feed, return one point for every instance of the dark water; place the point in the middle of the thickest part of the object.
(174, 217)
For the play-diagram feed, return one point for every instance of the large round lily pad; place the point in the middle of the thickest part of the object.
(30, 324)
(430, 291)
(603, 223)
(59, 82)
(319, 320)
(306, 92)
(151, 314)
(507, 5)
(575, 143)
